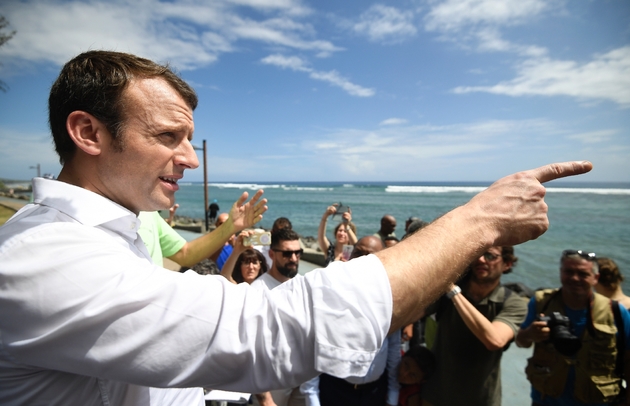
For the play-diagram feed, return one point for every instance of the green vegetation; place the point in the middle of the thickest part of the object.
(5, 214)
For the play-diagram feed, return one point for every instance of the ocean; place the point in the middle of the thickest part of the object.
(593, 217)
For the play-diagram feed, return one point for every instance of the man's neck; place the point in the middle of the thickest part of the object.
(273, 272)
(478, 290)
(574, 302)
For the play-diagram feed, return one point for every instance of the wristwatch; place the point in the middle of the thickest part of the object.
(455, 291)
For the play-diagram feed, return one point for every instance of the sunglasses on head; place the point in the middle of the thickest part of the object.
(289, 254)
(590, 256)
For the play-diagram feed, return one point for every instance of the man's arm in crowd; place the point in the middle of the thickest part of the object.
(511, 211)
(494, 335)
(242, 215)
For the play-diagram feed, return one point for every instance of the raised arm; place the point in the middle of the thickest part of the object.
(239, 247)
(242, 215)
(321, 231)
(511, 211)
(494, 335)
(347, 218)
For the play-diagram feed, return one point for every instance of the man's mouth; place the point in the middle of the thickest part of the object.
(169, 180)
(170, 183)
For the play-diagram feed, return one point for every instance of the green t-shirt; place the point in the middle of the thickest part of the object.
(159, 238)
(467, 372)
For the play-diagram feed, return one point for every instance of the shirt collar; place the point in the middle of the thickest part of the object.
(84, 206)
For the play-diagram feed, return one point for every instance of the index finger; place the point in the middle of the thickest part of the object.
(561, 170)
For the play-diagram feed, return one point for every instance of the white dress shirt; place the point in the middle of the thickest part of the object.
(388, 357)
(85, 319)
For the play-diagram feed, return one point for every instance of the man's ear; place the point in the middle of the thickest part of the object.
(86, 131)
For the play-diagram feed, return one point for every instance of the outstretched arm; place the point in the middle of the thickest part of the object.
(242, 215)
(511, 211)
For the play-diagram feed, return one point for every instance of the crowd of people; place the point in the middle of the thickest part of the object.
(89, 317)
(452, 354)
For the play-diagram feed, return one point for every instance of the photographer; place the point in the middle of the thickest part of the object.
(475, 323)
(580, 339)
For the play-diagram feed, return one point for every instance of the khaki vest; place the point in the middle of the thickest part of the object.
(595, 378)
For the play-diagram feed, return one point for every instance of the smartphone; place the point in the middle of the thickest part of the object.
(341, 209)
(260, 237)
(347, 252)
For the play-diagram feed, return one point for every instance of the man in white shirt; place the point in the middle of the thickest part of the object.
(285, 251)
(86, 319)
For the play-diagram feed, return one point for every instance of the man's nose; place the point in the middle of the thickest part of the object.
(186, 155)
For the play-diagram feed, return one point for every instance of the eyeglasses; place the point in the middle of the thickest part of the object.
(289, 254)
(489, 257)
(251, 261)
(589, 256)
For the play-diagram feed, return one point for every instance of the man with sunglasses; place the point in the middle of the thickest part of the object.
(285, 251)
(580, 339)
(475, 324)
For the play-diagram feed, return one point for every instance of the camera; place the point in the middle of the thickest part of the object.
(565, 342)
(259, 237)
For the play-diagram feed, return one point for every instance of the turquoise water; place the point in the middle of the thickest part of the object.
(591, 217)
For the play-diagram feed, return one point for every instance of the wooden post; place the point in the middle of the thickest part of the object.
(205, 183)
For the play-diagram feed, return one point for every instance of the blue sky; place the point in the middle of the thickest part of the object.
(407, 90)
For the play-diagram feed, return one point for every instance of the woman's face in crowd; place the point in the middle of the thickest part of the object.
(342, 235)
(250, 270)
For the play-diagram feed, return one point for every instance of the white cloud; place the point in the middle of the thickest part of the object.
(606, 77)
(20, 150)
(478, 22)
(455, 15)
(332, 77)
(393, 121)
(594, 137)
(404, 149)
(385, 24)
(190, 33)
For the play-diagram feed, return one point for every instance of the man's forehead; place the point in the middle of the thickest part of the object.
(289, 244)
(576, 263)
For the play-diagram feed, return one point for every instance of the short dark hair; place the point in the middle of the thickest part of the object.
(280, 223)
(284, 234)
(248, 254)
(95, 82)
(204, 267)
(425, 359)
(507, 254)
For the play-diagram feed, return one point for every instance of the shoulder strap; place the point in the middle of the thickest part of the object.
(507, 292)
(621, 337)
